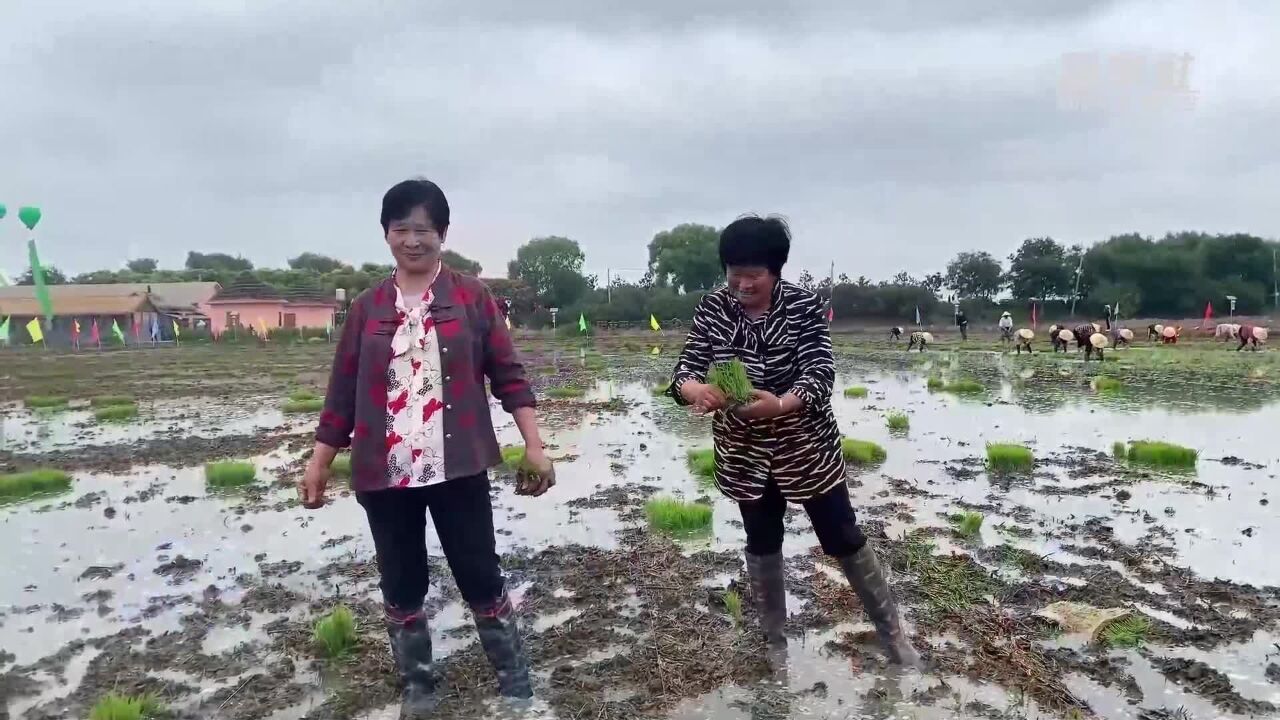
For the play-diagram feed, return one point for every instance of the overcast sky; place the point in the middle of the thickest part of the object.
(891, 138)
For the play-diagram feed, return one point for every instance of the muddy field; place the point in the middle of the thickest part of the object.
(141, 579)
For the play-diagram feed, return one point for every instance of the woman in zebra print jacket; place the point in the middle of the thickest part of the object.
(784, 445)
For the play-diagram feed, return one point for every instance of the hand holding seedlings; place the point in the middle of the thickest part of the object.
(764, 405)
(536, 474)
(704, 398)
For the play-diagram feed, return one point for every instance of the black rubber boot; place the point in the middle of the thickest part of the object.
(862, 569)
(500, 637)
(767, 574)
(411, 648)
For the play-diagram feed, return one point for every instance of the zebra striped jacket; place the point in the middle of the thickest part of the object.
(788, 349)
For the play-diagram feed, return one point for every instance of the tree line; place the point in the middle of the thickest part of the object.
(1173, 276)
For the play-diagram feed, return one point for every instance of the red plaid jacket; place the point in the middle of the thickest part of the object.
(474, 343)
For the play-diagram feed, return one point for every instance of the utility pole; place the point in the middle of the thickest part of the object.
(608, 285)
(1275, 281)
(1075, 294)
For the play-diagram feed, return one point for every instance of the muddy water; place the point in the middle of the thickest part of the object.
(75, 571)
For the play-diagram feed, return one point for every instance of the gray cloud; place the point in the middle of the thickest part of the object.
(892, 138)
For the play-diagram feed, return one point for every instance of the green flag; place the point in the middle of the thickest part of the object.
(37, 278)
(582, 322)
(115, 330)
(4, 331)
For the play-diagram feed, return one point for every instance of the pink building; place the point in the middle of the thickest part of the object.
(250, 303)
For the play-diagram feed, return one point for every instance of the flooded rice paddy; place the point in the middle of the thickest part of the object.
(140, 579)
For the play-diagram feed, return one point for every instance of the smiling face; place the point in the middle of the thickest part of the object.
(752, 285)
(415, 243)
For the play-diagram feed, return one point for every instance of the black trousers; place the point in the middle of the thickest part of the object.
(831, 514)
(463, 517)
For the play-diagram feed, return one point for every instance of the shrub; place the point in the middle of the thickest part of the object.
(731, 378)
(669, 515)
(898, 421)
(115, 413)
(855, 392)
(1161, 454)
(45, 402)
(230, 474)
(1007, 457)
(294, 407)
(335, 633)
(126, 707)
(19, 486)
(565, 393)
(862, 452)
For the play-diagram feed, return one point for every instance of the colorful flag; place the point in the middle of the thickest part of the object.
(656, 350)
(582, 322)
(75, 330)
(37, 278)
(4, 331)
(115, 330)
(155, 329)
(328, 328)
(95, 336)
(33, 329)
(137, 329)
(653, 323)
(917, 314)
(263, 324)
(1208, 313)
(176, 333)
(831, 315)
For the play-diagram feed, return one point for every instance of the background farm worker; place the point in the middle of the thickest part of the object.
(783, 446)
(1006, 326)
(962, 322)
(408, 383)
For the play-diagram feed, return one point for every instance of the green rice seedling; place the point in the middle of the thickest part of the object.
(302, 395)
(855, 392)
(296, 407)
(513, 457)
(1119, 451)
(733, 605)
(862, 452)
(731, 378)
(702, 463)
(1104, 384)
(1007, 457)
(45, 402)
(1129, 632)
(660, 390)
(566, 393)
(341, 467)
(967, 525)
(335, 633)
(964, 386)
(669, 515)
(115, 413)
(898, 422)
(229, 474)
(935, 383)
(33, 483)
(126, 707)
(110, 400)
(950, 584)
(1161, 454)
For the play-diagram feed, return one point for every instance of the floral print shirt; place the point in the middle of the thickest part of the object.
(415, 398)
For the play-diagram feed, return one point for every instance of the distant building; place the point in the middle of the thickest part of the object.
(250, 303)
(127, 304)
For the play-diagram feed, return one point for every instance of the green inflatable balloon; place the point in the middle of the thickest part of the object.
(29, 216)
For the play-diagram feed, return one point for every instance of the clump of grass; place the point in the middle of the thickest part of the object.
(23, 485)
(935, 383)
(341, 467)
(1007, 457)
(967, 525)
(513, 458)
(302, 395)
(964, 386)
(855, 392)
(110, 400)
(45, 402)
(862, 452)
(1118, 450)
(669, 515)
(1129, 632)
(1161, 454)
(229, 474)
(950, 584)
(731, 378)
(702, 463)
(566, 392)
(115, 413)
(126, 707)
(733, 605)
(898, 421)
(311, 405)
(335, 633)
(1105, 384)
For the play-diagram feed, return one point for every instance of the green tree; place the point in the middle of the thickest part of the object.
(461, 263)
(975, 275)
(217, 261)
(143, 265)
(317, 263)
(686, 257)
(552, 266)
(52, 276)
(1040, 269)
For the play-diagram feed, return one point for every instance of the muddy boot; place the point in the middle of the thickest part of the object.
(500, 637)
(768, 589)
(862, 569)
(411, 648)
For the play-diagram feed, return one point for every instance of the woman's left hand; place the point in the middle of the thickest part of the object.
(764, 405)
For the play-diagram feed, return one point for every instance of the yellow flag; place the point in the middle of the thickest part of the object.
(263, 324)
(508, 323)
(176, 332)
(33, 329)
(655, 350)
(653, 323)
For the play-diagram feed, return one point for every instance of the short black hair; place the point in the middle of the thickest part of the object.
(403, 197)
(753, 240)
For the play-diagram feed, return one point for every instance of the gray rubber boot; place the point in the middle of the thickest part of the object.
(767, 574)
(411, 648)
(862, 569)
(500, 637)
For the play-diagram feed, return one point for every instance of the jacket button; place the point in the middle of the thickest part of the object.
(444, 350)
(447, 378)
(447, 436)
(448, 407)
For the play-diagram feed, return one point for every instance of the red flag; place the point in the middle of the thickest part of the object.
(1208, 313)
(94, 335)
(831, 315)
(137, 329)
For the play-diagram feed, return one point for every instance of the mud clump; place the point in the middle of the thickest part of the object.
(1211, 684)
(101, 572)
(179, 569)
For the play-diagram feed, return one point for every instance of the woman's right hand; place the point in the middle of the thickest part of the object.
(703, 397)
(314, 482)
